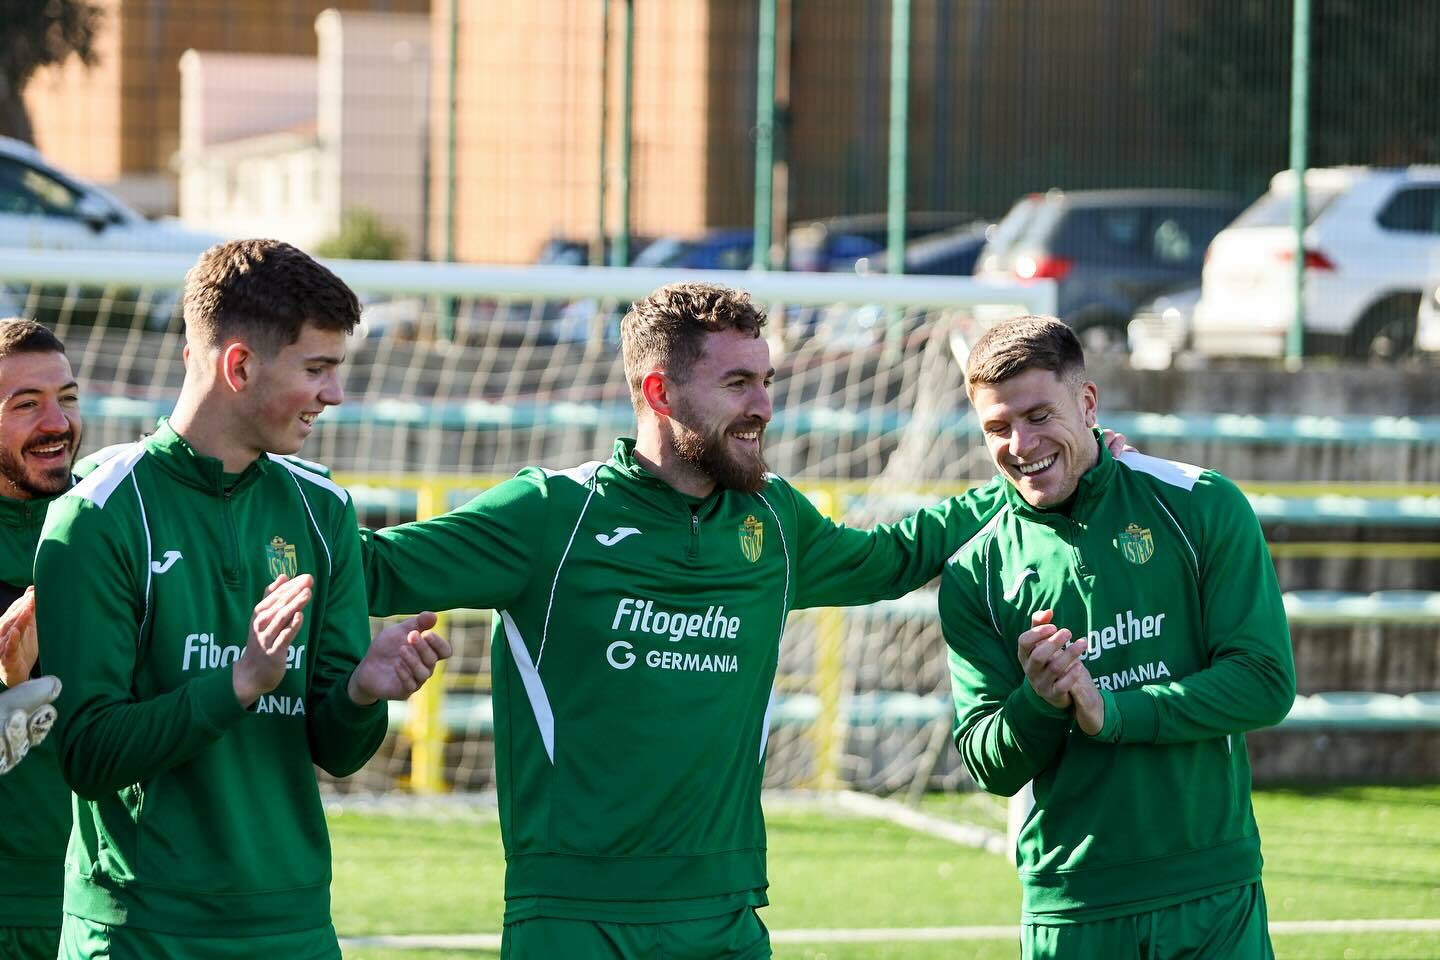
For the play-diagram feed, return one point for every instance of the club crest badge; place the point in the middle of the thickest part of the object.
(1136, 544)
(280, 557)
(752, 538)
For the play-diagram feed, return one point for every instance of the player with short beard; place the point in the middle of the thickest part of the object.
(641, 602)
(39, 434)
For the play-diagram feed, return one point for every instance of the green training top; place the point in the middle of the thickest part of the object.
(635, 652)
(194, 816)
(34, 800)
(1163, 568)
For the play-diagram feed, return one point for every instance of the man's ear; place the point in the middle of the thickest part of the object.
(1090, 402)
(237, 365)
(655, 388)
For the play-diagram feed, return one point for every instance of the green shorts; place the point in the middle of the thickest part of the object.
(1231, 925)
(29, 943)
(734, 936)
(82, 939)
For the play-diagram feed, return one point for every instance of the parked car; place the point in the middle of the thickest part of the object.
(1002, 237)
(719, 249)
(1371, 240)
(837, 243)
(1108, 251)
(42, 208)
(950, 253)
(573, 252)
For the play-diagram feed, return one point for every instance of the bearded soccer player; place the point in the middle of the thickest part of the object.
(39, 435)
(1114, 631)
(212, 638)
(639, 606)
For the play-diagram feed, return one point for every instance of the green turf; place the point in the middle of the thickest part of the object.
(1338, 853)
(1373, 947)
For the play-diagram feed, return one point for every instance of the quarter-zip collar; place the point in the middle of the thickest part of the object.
(624, 461)
(696, 509)
(1088, 492)
(27, 513)
(176, 457)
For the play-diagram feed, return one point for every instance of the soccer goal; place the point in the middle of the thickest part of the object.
(461, 375)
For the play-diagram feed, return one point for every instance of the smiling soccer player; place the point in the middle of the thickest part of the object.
(201, 597)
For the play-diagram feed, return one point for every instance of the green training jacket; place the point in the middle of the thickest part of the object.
(194, 816)
(637, 632)
(34, 800)
(1163, 568)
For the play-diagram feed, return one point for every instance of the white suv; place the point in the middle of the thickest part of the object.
(1372, 240)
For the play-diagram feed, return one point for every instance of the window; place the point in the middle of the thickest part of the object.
(1413, 210)
(1273, 209)
(25, 190)
(1181, 234)
(1120, 228)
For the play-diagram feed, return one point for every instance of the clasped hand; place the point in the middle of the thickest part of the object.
(1053, 665)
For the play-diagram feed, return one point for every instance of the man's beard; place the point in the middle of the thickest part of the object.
(709, 453)
(51, 481)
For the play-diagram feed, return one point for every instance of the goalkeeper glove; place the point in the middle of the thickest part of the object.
(26, 716)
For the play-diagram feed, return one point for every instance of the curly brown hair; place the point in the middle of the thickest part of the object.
(18, 335)
(264, 292)
(667, 329)
(1011, 347)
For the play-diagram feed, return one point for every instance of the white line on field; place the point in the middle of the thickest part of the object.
(491, 941)
(991, 841)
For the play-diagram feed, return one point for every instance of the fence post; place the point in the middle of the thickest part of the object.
(425, 724)
(829, 732)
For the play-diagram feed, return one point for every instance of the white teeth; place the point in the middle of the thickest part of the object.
(1036, 467)
(48, 450)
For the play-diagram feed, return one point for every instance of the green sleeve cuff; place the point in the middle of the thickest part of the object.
(1113, 725)
(1036, 705)
(349, 712)
(1137, 715)
(215, 702)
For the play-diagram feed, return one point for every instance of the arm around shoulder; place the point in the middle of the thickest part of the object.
(845, 566)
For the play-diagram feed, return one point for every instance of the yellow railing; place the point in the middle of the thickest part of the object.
(425, 725)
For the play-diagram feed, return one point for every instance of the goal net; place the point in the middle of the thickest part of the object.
(461, 376)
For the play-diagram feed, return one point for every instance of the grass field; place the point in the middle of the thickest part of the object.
(1331, 854)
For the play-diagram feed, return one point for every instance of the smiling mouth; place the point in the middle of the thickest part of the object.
(747, 436)
(49, 451)
(1039, 466)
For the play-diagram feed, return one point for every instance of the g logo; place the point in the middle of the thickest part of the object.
(628, 657)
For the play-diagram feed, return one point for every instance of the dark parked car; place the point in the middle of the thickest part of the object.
(951, 253)
(573, 252)
(1109, 251)
(719, 249)
(836, 243)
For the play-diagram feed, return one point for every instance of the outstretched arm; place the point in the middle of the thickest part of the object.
(477, 556)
